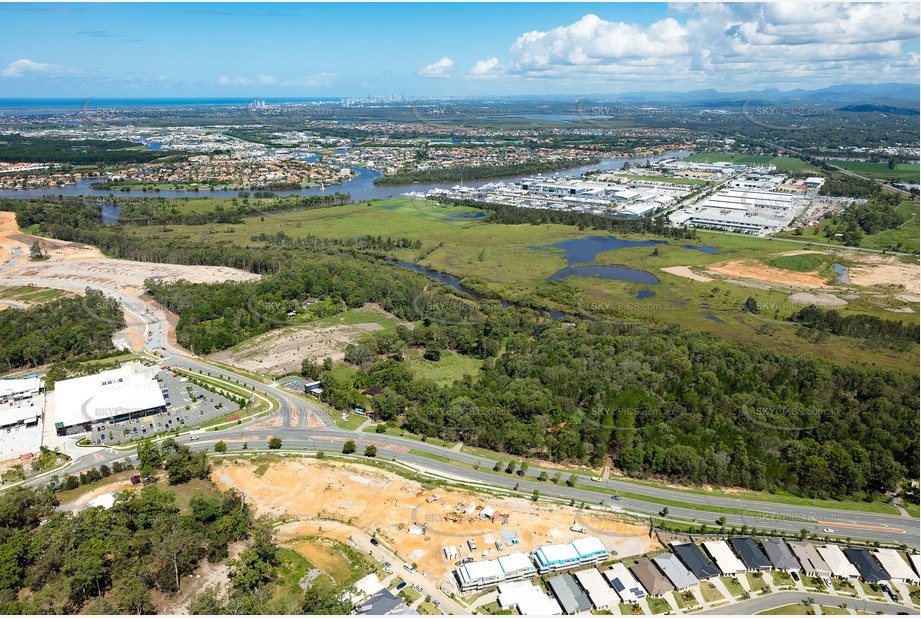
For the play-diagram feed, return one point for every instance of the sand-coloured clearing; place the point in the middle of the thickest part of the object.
(890, 272)
(763, 272)
(686, 272)
(335, 500)
(820, 300)
(281, 350)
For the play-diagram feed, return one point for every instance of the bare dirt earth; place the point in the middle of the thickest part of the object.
(73, 267)
(684, 271)
(889, 270)
(763, 272)
(282, 350)
(336, 500)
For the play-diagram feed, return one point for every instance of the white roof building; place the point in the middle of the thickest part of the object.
(117, 394)
(837, 562)
(529, 599)
(599, 591)
(895, 565)
(624, 584)
(18, 389)
(916, 562)
(517, 565)
(582, 551)
(722, 555)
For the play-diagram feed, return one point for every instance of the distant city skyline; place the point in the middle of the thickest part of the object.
(271, 51)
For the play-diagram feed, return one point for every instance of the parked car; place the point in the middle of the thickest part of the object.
(400, 586)
(794, 575)
(408, 567)
(388, 570)
(375, 541)
(135, 479)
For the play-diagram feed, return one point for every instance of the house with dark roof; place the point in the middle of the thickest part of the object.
(695, 559)
(870, 570)
(652, 579)
(384, 603)
(747, 551)
(570, 595)
(780, 555)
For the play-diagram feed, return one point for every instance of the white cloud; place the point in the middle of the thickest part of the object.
(317, 80)
(486, 69)
(223, 80)
(442, 68)
(730, 46)
(262, 80)
(23, 66)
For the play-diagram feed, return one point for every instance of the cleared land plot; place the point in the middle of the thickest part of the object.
(782, 163)
(281, 351)
(334, 500)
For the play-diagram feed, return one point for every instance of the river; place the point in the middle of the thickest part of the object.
(361, 187)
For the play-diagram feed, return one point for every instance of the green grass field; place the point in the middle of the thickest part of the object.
(451, 367)
(783, 164)
(903, 172)
(30, 294)
(507, 260)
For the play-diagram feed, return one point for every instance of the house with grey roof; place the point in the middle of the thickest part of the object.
(571, 597)
(679, 575)
(747, 551)
(780, 555)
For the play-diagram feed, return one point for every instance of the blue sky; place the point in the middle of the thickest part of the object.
(304, 50)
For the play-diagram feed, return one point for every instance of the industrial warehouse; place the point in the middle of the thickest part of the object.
(21, 412)
(129, 392)
(754, 211)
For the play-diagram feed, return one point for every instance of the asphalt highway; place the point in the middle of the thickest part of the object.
(686, 506)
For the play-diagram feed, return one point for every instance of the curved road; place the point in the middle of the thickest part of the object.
(738, 512)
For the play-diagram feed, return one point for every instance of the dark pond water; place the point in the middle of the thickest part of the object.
(617, 273)
(645, 294)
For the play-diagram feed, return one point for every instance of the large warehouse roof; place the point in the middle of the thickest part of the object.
(96, 398)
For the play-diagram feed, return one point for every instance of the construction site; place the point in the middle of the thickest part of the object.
(432, 528)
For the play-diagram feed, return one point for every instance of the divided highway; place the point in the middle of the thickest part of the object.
(643, 499)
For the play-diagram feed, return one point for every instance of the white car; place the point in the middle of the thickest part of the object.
(827, 530)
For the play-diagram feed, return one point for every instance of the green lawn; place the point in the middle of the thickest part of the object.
(658, 606)
(801, 263)
(756, 581)
(352, 421)
(448, 369)
(903, 172)
(626, 609)
(31, 294)
(842, 585)
(684, 599)
(710, 593)
(783, 164)
(782, 578)
(732, 584)
(867, 590)
(797, 609)
(829, 610)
